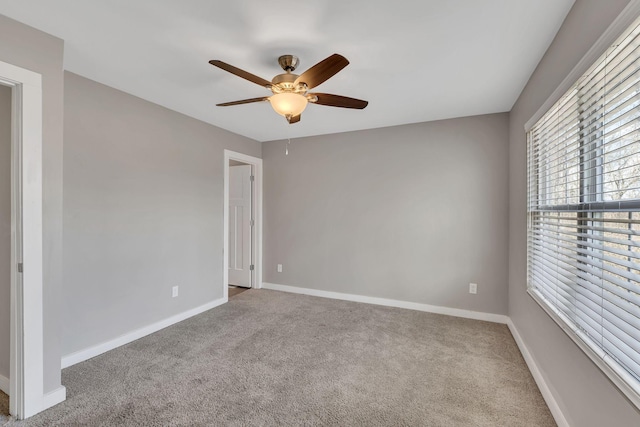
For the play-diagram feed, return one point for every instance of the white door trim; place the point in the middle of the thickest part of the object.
(26, 366)
(256, 232)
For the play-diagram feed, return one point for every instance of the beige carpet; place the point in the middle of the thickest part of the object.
(4, 409)
(269, 358)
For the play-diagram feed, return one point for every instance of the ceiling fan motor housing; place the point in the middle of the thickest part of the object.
(288, 62)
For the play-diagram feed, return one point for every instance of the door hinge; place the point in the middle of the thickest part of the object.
(20, 267)
(251, 267)
(252, 178)
(252, 223)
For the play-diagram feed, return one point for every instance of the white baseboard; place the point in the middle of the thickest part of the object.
(54, 397)
(4, 384)
(48, 400)
(88, 353)
(457, 312)
(537, 376)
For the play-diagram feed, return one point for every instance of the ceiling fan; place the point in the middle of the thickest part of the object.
(291, 91)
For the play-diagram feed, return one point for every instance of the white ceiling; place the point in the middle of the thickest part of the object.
(413, 60)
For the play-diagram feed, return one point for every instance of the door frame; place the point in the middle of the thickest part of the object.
(26, 374)
(256, 230)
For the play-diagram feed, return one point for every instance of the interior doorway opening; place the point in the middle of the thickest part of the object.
(242, 223)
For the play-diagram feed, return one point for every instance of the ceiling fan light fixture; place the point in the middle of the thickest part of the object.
(290, 91)
(288, 103)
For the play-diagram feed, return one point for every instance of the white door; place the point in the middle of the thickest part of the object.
(240, 226)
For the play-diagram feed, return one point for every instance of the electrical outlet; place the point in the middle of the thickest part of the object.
(279, 268)
(174, 292)
(473, 288)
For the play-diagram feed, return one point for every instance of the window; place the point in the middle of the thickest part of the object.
(584, 210)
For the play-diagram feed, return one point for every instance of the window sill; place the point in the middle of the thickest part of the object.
(626, 383)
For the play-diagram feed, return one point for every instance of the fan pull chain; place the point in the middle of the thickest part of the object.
(286, 149)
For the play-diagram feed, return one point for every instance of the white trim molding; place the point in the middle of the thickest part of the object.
(537, 376)
(26, 347)
(54, 397)
(96, 350)
(457, 312)
(4, 384)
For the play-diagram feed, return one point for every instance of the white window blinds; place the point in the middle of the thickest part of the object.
(584, 207)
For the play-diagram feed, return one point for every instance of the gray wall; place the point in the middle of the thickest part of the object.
(142, 212)
(411, 213)
(34, 50)
(584, 394)
(5, 227)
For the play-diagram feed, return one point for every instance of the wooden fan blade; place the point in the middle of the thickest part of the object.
(244, 101)
(293, 119)
(322, 71)
(339, 101)
(240, 73)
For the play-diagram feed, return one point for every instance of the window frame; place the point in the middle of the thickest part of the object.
(626, 382)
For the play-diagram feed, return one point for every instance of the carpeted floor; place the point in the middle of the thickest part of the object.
(270, 358)
(4, 409)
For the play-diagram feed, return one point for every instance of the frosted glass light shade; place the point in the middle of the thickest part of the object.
(288, 103)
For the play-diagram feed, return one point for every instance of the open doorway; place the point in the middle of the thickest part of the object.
(5, 249)
(242, 223)
(241, 220)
